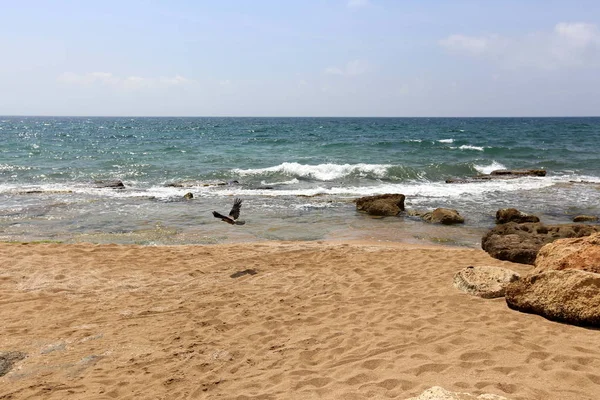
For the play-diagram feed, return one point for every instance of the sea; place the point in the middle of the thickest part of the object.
(297, 177)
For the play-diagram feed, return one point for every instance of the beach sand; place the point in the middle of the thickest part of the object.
(316, 320)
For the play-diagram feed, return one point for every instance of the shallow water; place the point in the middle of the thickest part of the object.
(297, 176)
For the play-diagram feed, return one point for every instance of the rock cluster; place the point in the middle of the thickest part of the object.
(521, 242)
(565, 283)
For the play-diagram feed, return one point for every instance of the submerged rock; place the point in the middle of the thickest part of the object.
(484, 281)
(381, 205)
(569, 296)
(520, 172)
(500, 174)
(585, 218)
(116, 184)
(444, 216)
(505, 215)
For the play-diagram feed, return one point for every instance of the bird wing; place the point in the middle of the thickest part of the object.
(235, 210)
(217, 215)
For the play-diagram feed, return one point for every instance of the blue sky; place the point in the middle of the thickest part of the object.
(300, 58)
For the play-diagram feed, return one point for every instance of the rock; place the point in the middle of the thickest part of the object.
(444, 216)
(521, 242)
(500, 174)
(569, 296)
(8, 359)
(505, 215)
(484, 281)
(117, 184)
(439, 393)
(382, 205)
(188, 196)
(578, 253)
(520, 172)
(585, 218)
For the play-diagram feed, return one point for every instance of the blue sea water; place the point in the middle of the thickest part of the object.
(297, 176)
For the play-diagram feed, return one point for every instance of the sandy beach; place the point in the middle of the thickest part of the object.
(277, 320)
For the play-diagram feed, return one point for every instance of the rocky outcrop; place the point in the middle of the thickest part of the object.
(116, 184)
(521, 242)
(519, 172)
(192, 183)
(381, 205)
(500, 174)
(579, 253)
(484, 281)
(569, 296)
(8, 359)
(439, 393)
(444, 216)
(506, 215)
(585, 218)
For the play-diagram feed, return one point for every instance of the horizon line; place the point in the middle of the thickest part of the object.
(284, 116)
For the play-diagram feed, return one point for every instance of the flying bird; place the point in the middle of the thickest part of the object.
(234, 214)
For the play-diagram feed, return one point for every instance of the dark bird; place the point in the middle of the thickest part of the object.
(234, 214)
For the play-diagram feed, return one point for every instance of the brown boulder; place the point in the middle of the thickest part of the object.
(484, 281)
(381, 205)
(505, 215)
(585, 218)
(521, 242)
(569, 296)
(444, 216)
(579, 253)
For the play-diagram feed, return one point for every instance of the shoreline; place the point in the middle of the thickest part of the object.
(321, 319)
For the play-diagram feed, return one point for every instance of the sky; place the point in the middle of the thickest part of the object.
(381, 58)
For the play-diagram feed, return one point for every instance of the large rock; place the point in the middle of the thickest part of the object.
(444, 216)
(585, 218)
(569, 296)
(484, 281)
(381, 205)
(439, 393)
(579, 253)
(521, 242)
(506, 215)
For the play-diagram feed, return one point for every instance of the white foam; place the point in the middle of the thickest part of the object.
(487, 169)
(446, 140)
(321, 172)
(469, 147)
(290, 182)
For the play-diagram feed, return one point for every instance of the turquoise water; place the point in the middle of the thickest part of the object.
(297, 176)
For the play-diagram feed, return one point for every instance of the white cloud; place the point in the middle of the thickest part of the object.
(567, 45)
(352, 68)
(130, 82)
(357, 3)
